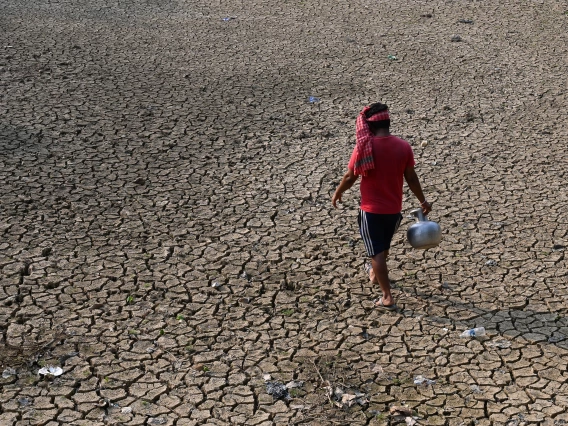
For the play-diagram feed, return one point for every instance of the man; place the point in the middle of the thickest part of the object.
(382, 160)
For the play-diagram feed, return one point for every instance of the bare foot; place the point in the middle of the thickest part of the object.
(386, 304)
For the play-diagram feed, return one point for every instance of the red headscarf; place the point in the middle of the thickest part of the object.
(364, 148)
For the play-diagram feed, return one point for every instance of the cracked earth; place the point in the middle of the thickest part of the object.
(167, 237)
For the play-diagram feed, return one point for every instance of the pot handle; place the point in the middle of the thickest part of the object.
(418, 215)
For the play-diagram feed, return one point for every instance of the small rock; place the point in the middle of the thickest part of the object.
(215, 284)
(465, 21)
(397, 410)
(456, 38)
(140, 181)
(24, 402)
(424, 144)
(9, 301)
(157, 421)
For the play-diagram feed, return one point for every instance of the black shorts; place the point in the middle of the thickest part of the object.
(377, 230)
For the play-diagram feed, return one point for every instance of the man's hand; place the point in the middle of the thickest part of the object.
(346, 182)
(426, 207)
(336, 197)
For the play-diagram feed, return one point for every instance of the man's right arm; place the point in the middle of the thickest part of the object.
(349, 178)
(414, 185)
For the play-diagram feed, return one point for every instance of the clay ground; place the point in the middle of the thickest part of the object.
(167, 237)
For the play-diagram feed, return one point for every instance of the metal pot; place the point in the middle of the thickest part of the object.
(423, 234)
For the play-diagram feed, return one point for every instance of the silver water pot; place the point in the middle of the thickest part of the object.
(423, 234)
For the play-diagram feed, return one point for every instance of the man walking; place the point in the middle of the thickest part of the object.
(382, 160)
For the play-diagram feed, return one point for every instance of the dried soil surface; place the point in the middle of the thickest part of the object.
(167, 237)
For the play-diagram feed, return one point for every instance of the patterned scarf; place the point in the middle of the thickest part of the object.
(364, 155)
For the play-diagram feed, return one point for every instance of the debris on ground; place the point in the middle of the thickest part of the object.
(473, 332)
(8, 372)
(410, 421)
(465, 21)
(456, 38)
(313, 99)
(476, 389)
(342, 399)
(500, 344)
(126, 410)
(421, 380)
(277, 390)
(50, 371)
(24, 402)
(299, 407)
(392, 58)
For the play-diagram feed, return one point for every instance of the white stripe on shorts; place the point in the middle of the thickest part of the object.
(365, 234)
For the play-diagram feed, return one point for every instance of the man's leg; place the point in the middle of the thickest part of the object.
(372, 275)
(380, 269)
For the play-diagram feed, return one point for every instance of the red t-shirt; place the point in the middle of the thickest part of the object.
(381, 189)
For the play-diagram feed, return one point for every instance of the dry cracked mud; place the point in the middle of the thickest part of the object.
(167, 237)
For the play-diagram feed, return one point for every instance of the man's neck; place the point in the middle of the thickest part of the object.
(381, 132)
